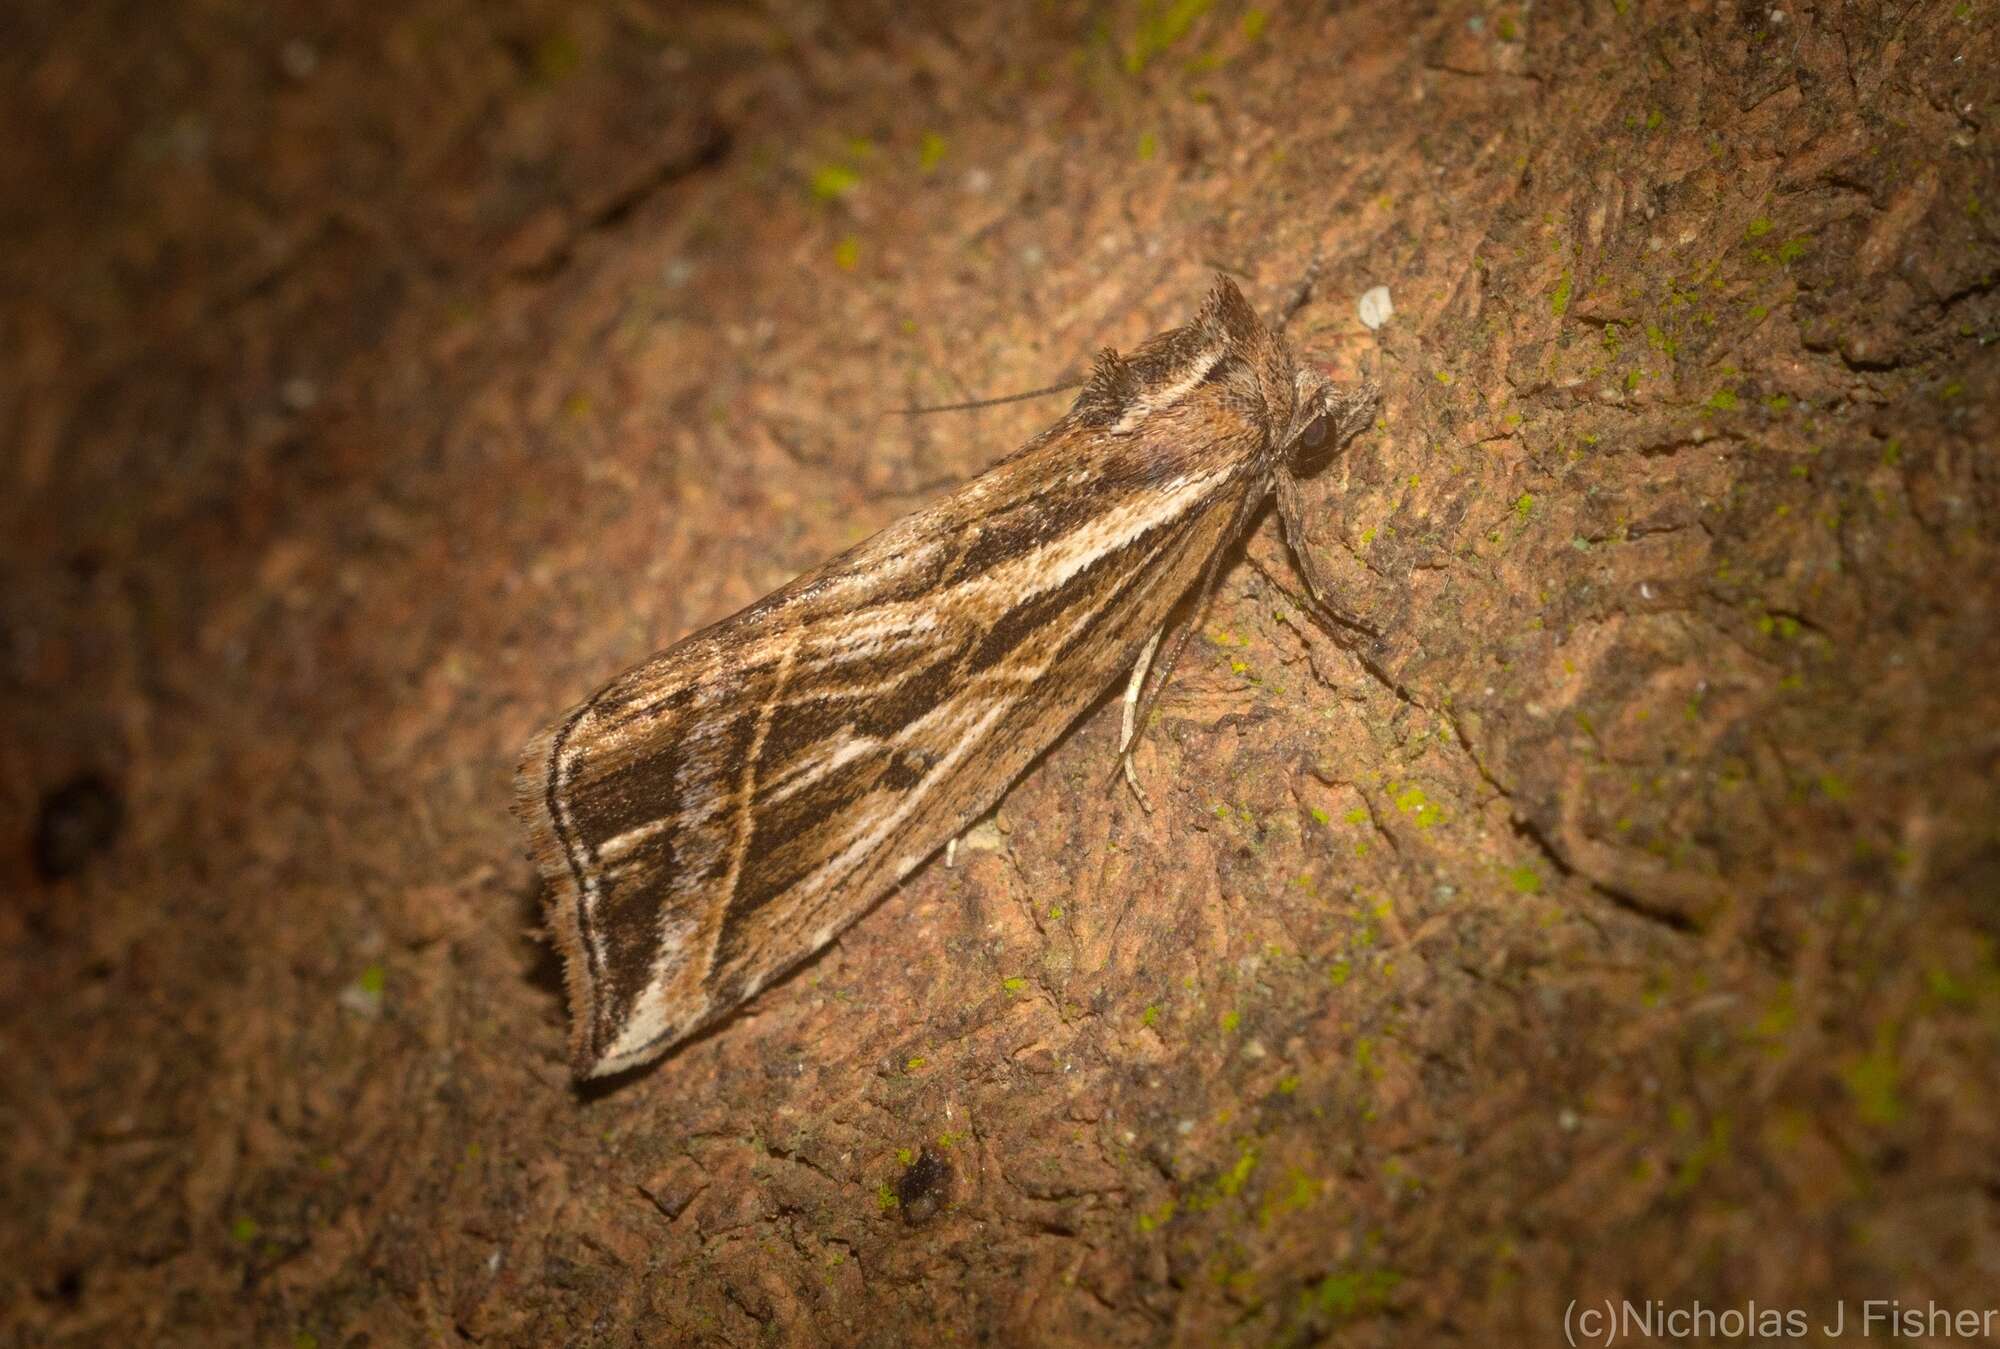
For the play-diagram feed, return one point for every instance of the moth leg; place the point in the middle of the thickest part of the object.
(1291, 510)
(1162, 672)
(1138, 704)
(951, 853)
(1131, 728)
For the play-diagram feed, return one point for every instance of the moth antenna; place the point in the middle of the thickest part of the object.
(1069, 382)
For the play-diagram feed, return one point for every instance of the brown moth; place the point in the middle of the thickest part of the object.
(709, 819)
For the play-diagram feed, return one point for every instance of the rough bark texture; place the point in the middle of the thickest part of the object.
(1621, 924)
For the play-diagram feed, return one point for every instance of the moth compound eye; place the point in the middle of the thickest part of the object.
(1314, 435)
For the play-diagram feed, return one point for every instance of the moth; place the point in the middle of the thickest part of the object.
(712, 817)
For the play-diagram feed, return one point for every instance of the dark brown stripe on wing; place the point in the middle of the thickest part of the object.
(1074, 597)
(817, 723)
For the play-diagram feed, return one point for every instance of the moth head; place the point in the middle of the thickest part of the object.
(1324, 415)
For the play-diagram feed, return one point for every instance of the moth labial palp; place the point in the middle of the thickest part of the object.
(710, 818)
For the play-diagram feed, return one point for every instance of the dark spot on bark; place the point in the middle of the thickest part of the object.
(78, 820)
(66, 1288)
(924, 1187)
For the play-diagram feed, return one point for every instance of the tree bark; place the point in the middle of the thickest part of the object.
(1617, 923)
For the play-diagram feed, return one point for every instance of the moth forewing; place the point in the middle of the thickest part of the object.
(714, 816)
